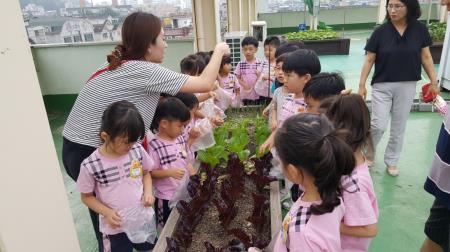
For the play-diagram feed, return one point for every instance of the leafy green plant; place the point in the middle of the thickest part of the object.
(213, 155)
(437, 31)
(312, 35)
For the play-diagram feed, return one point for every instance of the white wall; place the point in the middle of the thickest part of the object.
(64, 68)
(34, 211)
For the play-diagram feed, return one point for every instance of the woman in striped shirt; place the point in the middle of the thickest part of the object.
(133, 74)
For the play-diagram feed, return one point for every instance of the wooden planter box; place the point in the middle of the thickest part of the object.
(275, 218)
(329, 46)
(436, 51)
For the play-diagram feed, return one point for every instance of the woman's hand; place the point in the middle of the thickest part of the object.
(434, 89)
(362, 91)
(222, 48)
(148, 199)
(113, 219)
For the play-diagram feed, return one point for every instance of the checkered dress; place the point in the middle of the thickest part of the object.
(166, 156)
(350, 183)
(295, 222)
(110, 174)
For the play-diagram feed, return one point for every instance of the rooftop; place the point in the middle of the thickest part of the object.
(403, 203)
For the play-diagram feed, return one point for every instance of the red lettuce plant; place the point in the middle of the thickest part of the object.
(248, 241)
(259, 217)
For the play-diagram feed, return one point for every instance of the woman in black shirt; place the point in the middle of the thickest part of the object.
(398, 48)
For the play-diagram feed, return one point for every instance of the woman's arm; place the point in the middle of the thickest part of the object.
(360, 231)
(206, 81)
(427, 63)
(368, 63)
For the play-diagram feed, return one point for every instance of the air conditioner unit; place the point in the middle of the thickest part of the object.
(234, 39)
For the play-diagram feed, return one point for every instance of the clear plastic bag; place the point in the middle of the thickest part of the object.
(262, 87)
(237, 102)
(206, 138)
(223, 98)
(139, 224)
(181, 193)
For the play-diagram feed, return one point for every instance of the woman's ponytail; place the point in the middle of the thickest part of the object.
(115, 58)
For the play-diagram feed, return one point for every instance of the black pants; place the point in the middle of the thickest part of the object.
(121, 243)
(73, 155)
(437, 227)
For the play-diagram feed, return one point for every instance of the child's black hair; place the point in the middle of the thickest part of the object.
(325, 156)
(192, 65)
(171, 109)
(250, 41)
(226, 59)
(122, 118)
(289, 47)
(301, 62)
(350, 112)
(189, 100)
(323, 85)
(205, 56)
(273, 41)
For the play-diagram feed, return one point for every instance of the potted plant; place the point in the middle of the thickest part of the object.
(323, 42)
(437, 33)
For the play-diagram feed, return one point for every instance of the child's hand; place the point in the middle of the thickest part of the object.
(265, 112)
(177, 173)
(265, 78)
(194, 133)
(267, 145)
(148, 199)
(274, 125)
(216, 121)
(113, 219)
(191, 169)
(212, 95)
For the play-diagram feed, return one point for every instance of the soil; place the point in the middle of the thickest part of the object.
(210, 229)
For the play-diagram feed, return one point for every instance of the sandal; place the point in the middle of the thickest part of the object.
(392, 170)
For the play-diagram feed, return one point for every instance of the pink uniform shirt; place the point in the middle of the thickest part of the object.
(304, 232)
(291, 106)
(248, 72)
(117, 182)
(361, 207)
(168, 155)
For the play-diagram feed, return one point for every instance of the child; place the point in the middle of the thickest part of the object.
(320, 87)
(273, 110)
(298, 68)
(313, 222)
(190, 133)
(228, 80)
(247, 70)
(170, 153)
(194, 65)
(267, 75)
(118, 173)
(359, 224)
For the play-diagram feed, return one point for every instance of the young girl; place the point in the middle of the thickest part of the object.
(169, 150)
(118, 173)
(313, 222)
(359, 225)
(228, 81)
